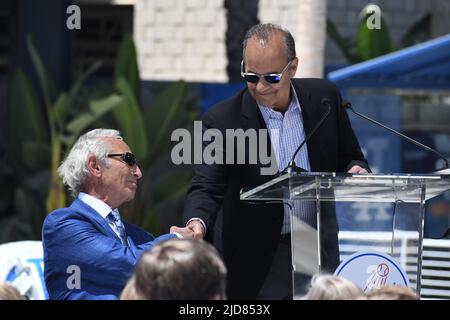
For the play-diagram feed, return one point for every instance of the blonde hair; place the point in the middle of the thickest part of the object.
(9, 292)
(329, 287)
(392, 292)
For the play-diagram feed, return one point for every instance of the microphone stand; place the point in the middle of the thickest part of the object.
(444, 170)
(292, 167)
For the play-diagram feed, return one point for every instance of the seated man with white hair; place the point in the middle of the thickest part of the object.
(89, 252)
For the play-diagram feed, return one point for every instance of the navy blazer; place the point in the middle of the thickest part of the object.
(79, 236)
(247, 234)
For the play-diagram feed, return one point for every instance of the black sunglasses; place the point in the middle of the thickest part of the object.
(127, 157)
(269, 77)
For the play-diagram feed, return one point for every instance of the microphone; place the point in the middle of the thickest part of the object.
(445, 170)
(292, 167)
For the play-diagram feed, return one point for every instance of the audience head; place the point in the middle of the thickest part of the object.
(392, 292)
(178, 269)
(9, 292)
(329, 287)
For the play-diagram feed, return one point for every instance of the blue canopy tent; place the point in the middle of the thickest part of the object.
(392, 89)
(426, 65)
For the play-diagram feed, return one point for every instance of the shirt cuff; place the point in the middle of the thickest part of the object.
(199, 220)
(178, 235)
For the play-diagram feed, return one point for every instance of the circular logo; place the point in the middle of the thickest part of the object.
(371, 270)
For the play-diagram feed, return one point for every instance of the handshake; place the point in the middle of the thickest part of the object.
(193, 230)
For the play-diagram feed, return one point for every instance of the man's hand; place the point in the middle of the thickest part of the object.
(197, 228)
(357, 169)
(186, 232)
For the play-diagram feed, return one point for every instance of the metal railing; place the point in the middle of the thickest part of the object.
(435, 259)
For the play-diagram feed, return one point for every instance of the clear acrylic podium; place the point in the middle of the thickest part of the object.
(377, 212)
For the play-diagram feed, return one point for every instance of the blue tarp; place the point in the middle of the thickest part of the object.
(423, 66)
(426, 65)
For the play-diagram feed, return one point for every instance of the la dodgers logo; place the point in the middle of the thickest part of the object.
(371, 270)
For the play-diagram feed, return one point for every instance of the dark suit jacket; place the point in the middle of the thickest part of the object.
(79, 236)
(250, 233)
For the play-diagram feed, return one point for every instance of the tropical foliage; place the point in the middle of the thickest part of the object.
(43, 125)
(147, 131)
(372, 43)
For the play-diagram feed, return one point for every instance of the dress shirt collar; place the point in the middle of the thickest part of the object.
(98, 205)
(269, 113)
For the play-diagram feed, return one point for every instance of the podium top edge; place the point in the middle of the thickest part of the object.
(363, 177)
(367, 175)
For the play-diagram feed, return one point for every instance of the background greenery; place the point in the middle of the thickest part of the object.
(372, 43)
(43, 125)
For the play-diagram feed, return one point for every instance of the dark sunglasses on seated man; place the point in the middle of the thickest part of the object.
(269, 77)
(127, 157)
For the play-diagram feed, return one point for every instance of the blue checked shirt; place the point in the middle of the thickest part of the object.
(286, 134)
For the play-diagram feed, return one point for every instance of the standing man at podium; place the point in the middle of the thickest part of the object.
(255, 238)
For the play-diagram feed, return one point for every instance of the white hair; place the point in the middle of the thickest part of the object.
(73, 170)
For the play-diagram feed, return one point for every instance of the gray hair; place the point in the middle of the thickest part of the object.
(329, 287)
(264, 31)
(73, 170)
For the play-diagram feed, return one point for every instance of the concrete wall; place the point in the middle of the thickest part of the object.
(306, 21)
(185, 39)
(181, 39)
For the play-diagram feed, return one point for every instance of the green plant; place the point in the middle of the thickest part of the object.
(147, 131)
(38, 136)
(372, 43)
(64, 127)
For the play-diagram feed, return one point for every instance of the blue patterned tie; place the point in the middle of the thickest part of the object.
(114, 217)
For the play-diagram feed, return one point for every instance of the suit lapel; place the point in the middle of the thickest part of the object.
(129, 239)
(93, 216)
(251, 117)
(310, 115)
